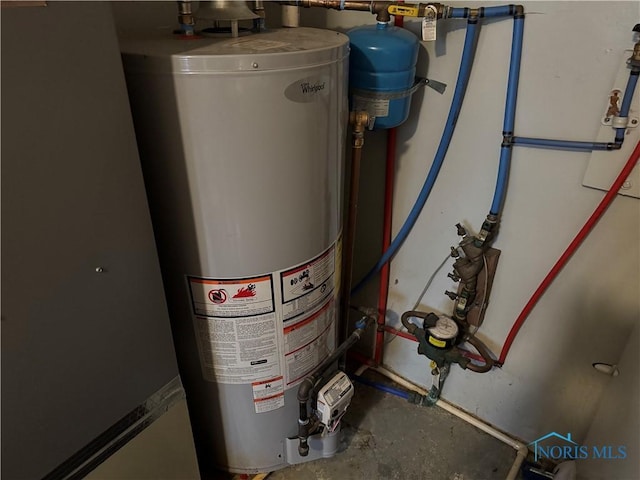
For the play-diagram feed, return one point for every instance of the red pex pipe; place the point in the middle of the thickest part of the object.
(400, 333)
(573, 246)
(386, 241)
(390, 169)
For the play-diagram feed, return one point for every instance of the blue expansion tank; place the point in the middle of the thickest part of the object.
(382, 66)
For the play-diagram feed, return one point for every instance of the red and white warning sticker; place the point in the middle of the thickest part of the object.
(269, 330)
(236, 328)
(241, 297)
(268, 394)
(307, 285)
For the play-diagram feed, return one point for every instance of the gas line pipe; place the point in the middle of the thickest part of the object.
(308, 421)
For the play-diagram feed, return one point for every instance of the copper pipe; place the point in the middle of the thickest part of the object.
(362, 6)
(380, 9)
(359, 122)
(484, 353)
(332, 4)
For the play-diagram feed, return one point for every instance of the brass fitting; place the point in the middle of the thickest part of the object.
(359, 122)
(634, 60)
(519, 12)
(380, 9)
(440, 8)
(331, 4)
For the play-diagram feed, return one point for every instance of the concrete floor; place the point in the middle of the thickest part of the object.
(387, 438)
(383, 437)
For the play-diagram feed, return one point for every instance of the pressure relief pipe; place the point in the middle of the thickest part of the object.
(468, 54)
(359, 122)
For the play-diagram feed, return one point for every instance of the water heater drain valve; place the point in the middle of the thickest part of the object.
(333, 400)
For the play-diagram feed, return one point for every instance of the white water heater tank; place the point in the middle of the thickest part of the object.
(242, 146)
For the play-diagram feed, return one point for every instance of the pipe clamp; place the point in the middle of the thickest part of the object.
(419, 83)
(620, 122)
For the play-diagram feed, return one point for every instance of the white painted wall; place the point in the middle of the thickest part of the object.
(572, 53)
(617, 418)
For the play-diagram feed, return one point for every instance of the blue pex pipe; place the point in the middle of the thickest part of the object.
(503, 179)
(459, 13)
(486, 12)
(509, 115)
(382, 387)
(499, 11)
(468, 53)
(561, 144)
(626, 101)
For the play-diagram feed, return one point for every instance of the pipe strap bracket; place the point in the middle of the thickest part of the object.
(620, 122)
(419, 83)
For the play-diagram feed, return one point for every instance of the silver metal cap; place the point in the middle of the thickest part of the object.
(227, 10)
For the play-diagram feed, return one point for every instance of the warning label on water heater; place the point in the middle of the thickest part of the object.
(306, 286)
(308, 341)
(236, 328)
(267, 331)
(232, 298)
(268, 394)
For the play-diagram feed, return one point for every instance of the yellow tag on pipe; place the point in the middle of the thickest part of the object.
(404, 11)
(437, 342)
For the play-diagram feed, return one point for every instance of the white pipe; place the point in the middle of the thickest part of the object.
(400, 380)
(520, 448)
